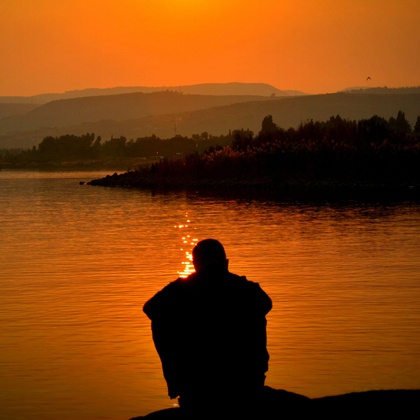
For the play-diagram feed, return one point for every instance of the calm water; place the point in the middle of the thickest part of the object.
(78, 262)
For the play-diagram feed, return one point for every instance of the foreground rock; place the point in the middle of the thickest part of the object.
(281, 404)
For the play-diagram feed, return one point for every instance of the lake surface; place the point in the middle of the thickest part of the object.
(78, 263)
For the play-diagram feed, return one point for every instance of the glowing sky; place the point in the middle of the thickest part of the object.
(315, 46)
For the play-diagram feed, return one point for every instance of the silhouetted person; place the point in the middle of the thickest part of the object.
(210, 333)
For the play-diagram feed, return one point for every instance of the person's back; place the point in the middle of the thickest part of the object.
(210, 333)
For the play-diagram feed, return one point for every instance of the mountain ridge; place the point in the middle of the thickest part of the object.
(231, 88)
(166, 114)
(73, 111)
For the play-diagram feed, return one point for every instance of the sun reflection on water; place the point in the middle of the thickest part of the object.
(188, 243)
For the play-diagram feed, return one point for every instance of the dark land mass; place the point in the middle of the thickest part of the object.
(170, 113)
(279, 404)
(260, 168)
(268, 189)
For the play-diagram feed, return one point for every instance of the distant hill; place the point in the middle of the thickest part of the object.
(286, 113)
(223, 89)
(166, 114)
(383, 90)
(65, 112)
(8, 109)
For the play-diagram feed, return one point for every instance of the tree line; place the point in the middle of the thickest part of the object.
(336, 152)
(330, 143)
(89, 147)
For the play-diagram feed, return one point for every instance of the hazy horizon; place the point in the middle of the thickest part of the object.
(322, 46)
(170, 87)
(152, 88)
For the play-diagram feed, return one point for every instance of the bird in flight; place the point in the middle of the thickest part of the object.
(368, 78)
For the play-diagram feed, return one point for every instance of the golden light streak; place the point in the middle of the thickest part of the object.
(188, 244)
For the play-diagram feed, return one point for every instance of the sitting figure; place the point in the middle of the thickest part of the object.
(209, 330)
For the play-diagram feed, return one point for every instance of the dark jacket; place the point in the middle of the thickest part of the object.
(210, 333)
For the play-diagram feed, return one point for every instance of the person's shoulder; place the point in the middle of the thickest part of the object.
(237, 277)
(243, 280)
(253, 290)
(163, 297)
(179, 285)
(243, 283)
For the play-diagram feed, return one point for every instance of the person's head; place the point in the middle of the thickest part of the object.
(208, 254)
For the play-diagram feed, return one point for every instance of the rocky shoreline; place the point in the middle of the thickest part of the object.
(263, 187)
(278, 404)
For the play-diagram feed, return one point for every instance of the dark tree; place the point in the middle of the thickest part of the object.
(375, 130)
(417, 127)
(242, 139)
(268, 128)
(400, 125)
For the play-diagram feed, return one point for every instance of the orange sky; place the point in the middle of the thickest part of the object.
(315, 46)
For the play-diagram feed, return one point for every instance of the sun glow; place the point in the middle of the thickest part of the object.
(185, 8)
(79, 44)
